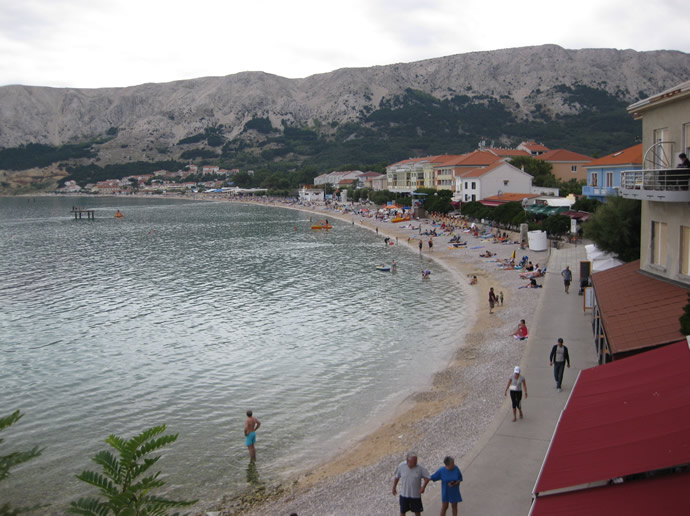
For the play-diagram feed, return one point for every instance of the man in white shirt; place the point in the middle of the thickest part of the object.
(410, 475)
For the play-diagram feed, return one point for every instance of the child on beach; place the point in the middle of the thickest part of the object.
(500, 297)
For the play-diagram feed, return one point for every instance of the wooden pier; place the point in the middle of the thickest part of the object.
(78, 213)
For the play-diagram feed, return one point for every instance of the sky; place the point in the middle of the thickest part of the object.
(108, 43)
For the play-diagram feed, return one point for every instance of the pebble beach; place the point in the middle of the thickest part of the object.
(445, 416)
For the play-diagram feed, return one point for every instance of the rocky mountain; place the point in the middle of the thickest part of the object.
(148, 122)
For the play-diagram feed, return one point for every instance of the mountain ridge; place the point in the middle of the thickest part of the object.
(147, 121)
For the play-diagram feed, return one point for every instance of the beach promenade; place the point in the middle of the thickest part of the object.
(502, 468)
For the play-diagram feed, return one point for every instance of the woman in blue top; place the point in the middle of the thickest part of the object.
(450, 478)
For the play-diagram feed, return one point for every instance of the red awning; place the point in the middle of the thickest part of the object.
(491, 203)
(629, 416)
(667, 495)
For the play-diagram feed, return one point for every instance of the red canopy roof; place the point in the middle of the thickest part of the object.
(629, 416)
(667, 495)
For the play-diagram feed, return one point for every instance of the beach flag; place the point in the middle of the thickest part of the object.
(513, 255)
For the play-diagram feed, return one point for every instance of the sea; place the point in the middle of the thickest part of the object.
(188, 313)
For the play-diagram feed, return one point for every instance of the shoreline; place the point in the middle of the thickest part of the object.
(456, 391)
(446, 414)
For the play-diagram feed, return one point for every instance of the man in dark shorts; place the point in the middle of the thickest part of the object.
(410, 475)
(567, 277)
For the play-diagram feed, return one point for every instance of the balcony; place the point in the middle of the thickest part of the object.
(599, 191)
(663, 185)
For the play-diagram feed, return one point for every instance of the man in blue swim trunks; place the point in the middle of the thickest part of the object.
(251, 425)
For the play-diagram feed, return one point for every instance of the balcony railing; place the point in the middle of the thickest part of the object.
(666, 185)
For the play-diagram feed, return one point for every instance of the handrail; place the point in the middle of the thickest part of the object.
(656, 179)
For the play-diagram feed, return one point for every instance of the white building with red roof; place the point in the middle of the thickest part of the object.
(533, 148)
(497, 179)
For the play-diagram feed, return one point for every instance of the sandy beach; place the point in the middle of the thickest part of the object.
(448, 414)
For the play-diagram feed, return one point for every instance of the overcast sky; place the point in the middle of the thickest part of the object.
(98, 43)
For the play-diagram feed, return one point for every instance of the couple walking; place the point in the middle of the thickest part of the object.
(409, 475)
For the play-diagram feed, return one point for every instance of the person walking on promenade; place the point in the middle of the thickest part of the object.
(450, 477)
(516, 383)
(410, 475)
(492, 300)
(567, 277)
(558, 358)
(251, 425)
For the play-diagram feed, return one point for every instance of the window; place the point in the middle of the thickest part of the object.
(658, 244)
(609, 179)
(573, 168)
(505, 182)
(474, 185)
(685, 250)
(466, 183)
(662, 155)
(474, 197)
(594, 179)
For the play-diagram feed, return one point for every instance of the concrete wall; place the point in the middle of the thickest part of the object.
(675, 215)
(563, 171)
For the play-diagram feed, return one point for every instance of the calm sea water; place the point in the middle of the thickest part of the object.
(189, 313)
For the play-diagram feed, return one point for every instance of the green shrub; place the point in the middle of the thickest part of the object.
(126, 493)
(13, 459)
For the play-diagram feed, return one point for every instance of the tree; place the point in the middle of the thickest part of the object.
(13, 459)
(615, 228)
(120, 484)
(685, 319)
(540, 170)
(586, 204)
(556, 225)
(436, 201)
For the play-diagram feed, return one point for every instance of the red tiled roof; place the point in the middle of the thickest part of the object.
(637, 310)
(508, 152)
(478, 157)
(630, 156)
(478, 172)
(535, 147)
(563, 155)
(510, 197)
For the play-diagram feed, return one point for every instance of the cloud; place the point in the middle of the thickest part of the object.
(97, 43)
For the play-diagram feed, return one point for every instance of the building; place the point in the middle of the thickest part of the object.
(604, 174)
(566, 165)
(408, 175)
(637, 305)
(335, 177)
(661, 187)
(621, 445)
(533, 148)
(497, 179)
(309, 194)
(372, 180)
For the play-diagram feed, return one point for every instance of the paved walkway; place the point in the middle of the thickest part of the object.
(500, 472)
